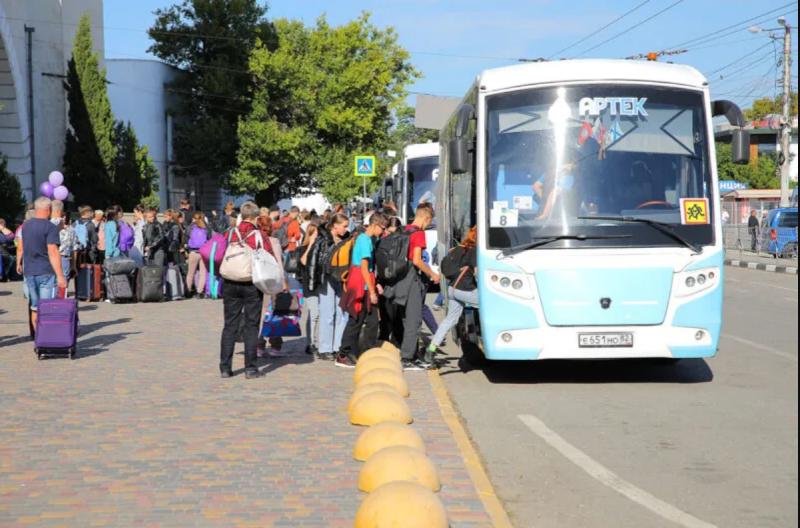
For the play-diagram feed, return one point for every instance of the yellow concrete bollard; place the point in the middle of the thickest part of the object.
(386, 345)
(401, 505)
(365, 366)
(383, 435)
(363, 390)
(390, 377)
(398, 463)
(382, 406)
(380, 353)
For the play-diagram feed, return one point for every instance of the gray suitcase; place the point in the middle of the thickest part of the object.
(119, 288)
(173, 283)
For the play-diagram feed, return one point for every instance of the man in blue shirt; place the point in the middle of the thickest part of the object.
(38, 259)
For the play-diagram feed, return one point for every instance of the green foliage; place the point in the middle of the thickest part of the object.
(211, 42)
(321, 96)
(761, 175)
(135, 174)
(12, 201)
(90, 150)
(767, 105)
(152, 200)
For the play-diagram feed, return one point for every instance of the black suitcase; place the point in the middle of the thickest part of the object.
(150, 284)
(119, 288)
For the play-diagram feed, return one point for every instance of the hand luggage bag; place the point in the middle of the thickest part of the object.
(150, 284)
(173, 283)
(57, 328)
(120, 266)
(89, 282)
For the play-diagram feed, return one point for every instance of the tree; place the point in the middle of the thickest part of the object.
(766, 105)
(90, 150)
(762, 175)
(211, 42)
(12, 202)
(103, 161)
(323, 95)
(135, 174)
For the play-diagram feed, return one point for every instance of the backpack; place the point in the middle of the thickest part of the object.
(391, 257)
(337, 262)
(451, 263)
(82, 234)
(126, 236)
(198, 236)
(282, 234)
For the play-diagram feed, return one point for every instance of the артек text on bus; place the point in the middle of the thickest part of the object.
(594, 187)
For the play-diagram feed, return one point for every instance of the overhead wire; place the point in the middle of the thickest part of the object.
(628, 30)
(593, 33)
(748, 54)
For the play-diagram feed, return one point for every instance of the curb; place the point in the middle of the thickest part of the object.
(477, 473)
(759, 266)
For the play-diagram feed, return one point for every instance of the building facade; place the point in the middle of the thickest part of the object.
(33, 106)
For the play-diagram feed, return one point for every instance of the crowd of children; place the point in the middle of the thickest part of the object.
(355, 280)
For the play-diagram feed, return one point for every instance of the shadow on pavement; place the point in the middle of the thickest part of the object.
(87, 308)
(590, 371)
(5, 293)
(99, 344)
(10, 340)
(89, 328)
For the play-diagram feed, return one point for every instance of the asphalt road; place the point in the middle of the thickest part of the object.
(641, 443)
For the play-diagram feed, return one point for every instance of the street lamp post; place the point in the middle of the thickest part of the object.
(786, 110)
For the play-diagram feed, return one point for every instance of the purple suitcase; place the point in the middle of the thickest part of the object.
(57, 327)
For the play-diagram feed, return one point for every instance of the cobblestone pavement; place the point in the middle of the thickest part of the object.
(140, 430)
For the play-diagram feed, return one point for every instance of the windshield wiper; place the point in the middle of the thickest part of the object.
(541, 241)
(662, 227)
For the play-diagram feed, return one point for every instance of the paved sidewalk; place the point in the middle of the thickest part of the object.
(140, 430)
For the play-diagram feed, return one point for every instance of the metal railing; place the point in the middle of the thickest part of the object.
(740, 242)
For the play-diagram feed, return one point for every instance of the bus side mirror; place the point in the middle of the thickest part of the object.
(740, 146)
(458, 152)
(740, 138)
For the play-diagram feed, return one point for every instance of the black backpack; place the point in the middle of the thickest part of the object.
(452, 262)
(391, 257)
(282, 234)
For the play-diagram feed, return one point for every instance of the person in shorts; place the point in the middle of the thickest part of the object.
(40, 262)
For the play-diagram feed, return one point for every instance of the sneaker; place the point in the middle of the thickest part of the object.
(326, 356)
(226, 374)
(252, 374)
(276, 353)
(344, 361)
(410, 364)
(424, 364)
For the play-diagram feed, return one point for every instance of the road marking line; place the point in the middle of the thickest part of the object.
(609, 478)
(472, 461)
(759, 346)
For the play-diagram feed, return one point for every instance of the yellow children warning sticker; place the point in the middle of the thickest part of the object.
(694, 211)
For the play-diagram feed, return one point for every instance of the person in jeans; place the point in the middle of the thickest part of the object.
(463, 291)
(310, 278)
(241, 300)
(361, 298)
(38, 260)
(417, 279)
(332, 319)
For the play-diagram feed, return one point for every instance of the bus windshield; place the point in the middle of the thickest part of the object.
(597, 165)
(422, 174)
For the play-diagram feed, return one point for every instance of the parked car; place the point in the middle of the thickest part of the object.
(779, 232)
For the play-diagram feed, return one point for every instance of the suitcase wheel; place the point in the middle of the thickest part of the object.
(72, 353)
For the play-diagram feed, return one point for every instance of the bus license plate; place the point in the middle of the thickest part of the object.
(609, 340)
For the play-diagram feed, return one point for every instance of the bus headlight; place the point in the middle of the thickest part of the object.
(510, 283)
(696, 281)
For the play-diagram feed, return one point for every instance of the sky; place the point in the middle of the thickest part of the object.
(452, 41)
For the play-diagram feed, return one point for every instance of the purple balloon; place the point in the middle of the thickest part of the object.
(55, 178)
(46, 189)
(60, 193)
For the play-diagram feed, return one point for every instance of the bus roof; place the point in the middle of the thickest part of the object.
(589, 70)
(421, 150)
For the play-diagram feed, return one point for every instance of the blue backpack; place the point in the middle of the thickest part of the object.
(126, 236)
(82, 234)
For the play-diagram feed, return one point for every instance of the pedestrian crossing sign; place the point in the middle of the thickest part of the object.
(364, 165)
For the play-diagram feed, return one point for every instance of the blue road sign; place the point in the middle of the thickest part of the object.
(364, 166)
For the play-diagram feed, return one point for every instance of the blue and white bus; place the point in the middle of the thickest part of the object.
(593, 184)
